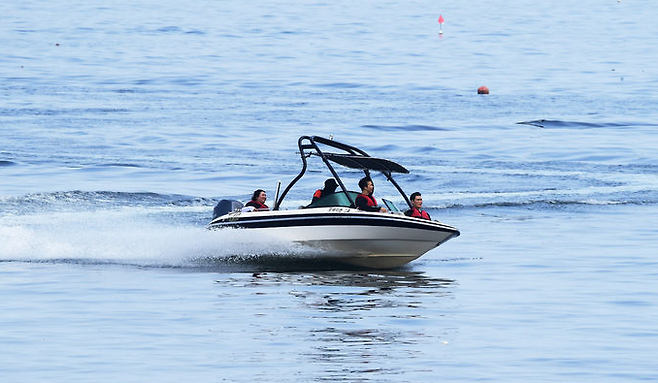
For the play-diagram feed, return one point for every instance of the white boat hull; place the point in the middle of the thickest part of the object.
(375, 240)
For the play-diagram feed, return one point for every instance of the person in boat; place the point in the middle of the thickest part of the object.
(329, 188)
(416, 207)
(365, 201)
(258, 200)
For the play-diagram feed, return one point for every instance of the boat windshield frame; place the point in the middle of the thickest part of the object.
(348, 156)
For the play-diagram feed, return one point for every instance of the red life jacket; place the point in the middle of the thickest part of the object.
(258, 205)
(317, 194)
(419, 214)
(371, 200)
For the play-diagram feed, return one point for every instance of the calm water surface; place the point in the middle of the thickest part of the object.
(122, 124)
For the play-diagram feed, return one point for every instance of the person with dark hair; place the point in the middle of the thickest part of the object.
(416, 207)
(258, 200)
(329, 188)
(365, 201)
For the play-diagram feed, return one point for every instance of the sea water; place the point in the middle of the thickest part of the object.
(123, 123)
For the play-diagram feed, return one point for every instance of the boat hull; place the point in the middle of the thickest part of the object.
(374, 240)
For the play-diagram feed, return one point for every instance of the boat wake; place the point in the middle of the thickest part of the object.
(132, 237)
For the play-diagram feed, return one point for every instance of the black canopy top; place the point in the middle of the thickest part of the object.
(349, 156)
(369, 163)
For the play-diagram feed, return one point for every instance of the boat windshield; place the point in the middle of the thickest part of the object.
(335, 199)
(391, 206)
(340, 199)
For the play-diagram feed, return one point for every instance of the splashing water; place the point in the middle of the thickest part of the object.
(128, 236)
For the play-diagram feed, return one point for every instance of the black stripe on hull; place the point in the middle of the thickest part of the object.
(327, 220)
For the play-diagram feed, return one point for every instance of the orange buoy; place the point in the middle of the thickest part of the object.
(483, 90)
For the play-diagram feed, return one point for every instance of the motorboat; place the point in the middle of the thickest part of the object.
(332, 227)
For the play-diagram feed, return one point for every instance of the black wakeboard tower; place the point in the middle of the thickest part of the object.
(348, 156)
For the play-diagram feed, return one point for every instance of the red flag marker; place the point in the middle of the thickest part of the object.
(440, 24)
(440, 19)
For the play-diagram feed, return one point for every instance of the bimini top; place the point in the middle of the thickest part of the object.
(345, 155)
(370, 163)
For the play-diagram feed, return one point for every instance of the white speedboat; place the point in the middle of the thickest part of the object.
(332, 226)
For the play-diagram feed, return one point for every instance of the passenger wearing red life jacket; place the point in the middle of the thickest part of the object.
(329, 188)
(417, 207)
(365, 201)
(258, 200)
